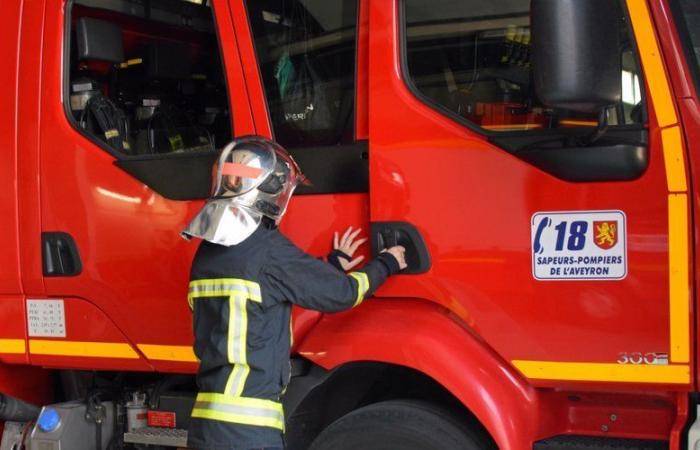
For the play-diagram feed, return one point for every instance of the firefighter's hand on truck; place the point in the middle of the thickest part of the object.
(398, 252)
(348, 245)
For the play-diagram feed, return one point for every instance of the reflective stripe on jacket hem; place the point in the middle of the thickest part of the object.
(241, 410)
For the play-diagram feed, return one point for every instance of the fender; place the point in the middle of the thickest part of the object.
(426, 337)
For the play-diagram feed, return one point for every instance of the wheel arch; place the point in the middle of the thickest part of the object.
(421, 338)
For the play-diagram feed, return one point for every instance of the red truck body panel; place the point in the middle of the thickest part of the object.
(530, 359)
(10, 276)
(477, 230)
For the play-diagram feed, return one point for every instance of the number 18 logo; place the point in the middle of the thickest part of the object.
(575, 238)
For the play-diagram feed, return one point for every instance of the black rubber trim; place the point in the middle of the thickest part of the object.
(388, 234)
(590, 164)
(623, 155)
(334, 169)
(598, 443)
(178, 176)
(187, 176)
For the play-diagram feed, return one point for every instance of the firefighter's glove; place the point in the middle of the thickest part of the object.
(344, 248)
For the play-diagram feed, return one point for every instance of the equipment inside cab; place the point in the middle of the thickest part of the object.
(146, 78)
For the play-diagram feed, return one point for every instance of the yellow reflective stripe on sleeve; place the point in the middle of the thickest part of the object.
(362, 285)
(242, 410)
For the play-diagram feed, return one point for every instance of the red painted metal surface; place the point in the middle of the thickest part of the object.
(9, 258)
(14, 329)
(673, 54)
(86, 323)
(682, 415)
(28, 128)
(461, 323)
(428, 338)
(310, 223)
(243, 123)
(136, 266)
(362, 78)
(473, 204)
(636, 414)
(689, 109)
(254, 86)
(31, 384)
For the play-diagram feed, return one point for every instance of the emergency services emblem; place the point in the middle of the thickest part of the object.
(579, 245)
(605, 234)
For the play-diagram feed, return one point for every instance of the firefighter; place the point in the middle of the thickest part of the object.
(244, 279)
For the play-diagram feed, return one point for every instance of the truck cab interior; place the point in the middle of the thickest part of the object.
(146, 77)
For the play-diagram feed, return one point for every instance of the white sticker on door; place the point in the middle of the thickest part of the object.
(46, 318)
(579, 245)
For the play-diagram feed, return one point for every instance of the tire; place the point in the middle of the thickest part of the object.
(398, 425)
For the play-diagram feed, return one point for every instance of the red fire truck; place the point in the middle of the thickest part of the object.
(535, 158)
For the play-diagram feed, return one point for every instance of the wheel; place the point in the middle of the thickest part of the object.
(398, 425)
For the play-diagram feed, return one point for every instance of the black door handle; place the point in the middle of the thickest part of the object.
(389, 234)
(60, 255)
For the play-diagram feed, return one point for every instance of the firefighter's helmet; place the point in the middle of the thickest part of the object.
(253, 178)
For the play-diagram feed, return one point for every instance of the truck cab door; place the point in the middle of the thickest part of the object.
(112, 202)
(567, 279)
(300, 60)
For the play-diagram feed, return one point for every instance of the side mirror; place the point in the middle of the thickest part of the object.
(576, 53)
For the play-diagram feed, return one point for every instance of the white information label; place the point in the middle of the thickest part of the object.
(579, 245)
(46, 318)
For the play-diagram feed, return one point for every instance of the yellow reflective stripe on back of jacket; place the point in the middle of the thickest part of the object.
(237, 342)
(223, 287)
(238, 291)
(242, 410)
(362, 285)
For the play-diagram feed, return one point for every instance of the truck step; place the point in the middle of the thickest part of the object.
(598, 443)
(167, 437)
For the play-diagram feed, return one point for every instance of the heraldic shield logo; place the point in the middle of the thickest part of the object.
(605, 233)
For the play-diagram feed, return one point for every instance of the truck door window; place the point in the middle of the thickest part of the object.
(306, 55)
(145, 78)
(471, 60)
